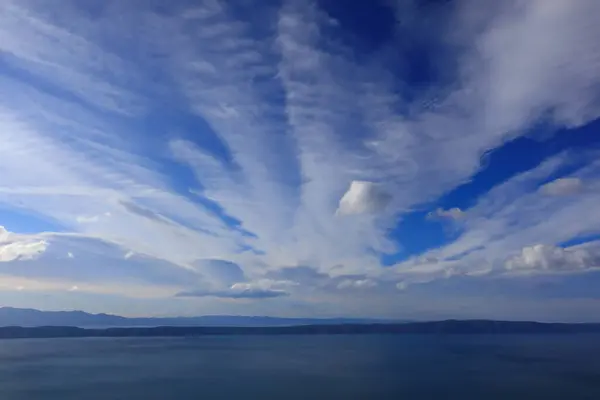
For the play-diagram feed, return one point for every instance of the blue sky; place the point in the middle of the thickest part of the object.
(402, 159)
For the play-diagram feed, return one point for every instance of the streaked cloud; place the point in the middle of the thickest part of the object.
(193, 150)
(357, 284)
(262, 289)
(563, 186)
(454, 213)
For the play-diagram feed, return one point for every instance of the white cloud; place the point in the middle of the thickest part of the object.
(514, 218)
(357, 284)
(452, 213)
(363, 197)
(263, 284)
(299, 131)
(98, 268)
(55, 287)
(535, 51)
(562, 186)
(261, 289)
(30, 39)
(539, 258)
(20, 247)
(220, 273)
(83, 219)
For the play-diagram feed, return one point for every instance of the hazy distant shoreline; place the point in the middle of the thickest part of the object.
(437, 327)
(10, 316)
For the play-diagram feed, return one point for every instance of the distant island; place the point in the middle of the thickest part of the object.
(26, 317)
(30, 323)
(436, 327)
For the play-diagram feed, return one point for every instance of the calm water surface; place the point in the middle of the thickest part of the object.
(303, 367)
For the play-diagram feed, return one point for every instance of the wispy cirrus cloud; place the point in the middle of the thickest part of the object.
(516, 225)
(453, 213)
(232, 144)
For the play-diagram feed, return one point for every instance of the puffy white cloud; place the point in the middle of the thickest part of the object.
(363, 197)
(20, 247)
(542, 257)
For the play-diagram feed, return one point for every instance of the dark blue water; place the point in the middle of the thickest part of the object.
(303, 367)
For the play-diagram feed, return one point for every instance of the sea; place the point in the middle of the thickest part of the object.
(527, 367)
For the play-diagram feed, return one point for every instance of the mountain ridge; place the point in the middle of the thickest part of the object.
(30, 317)
(447, 327)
